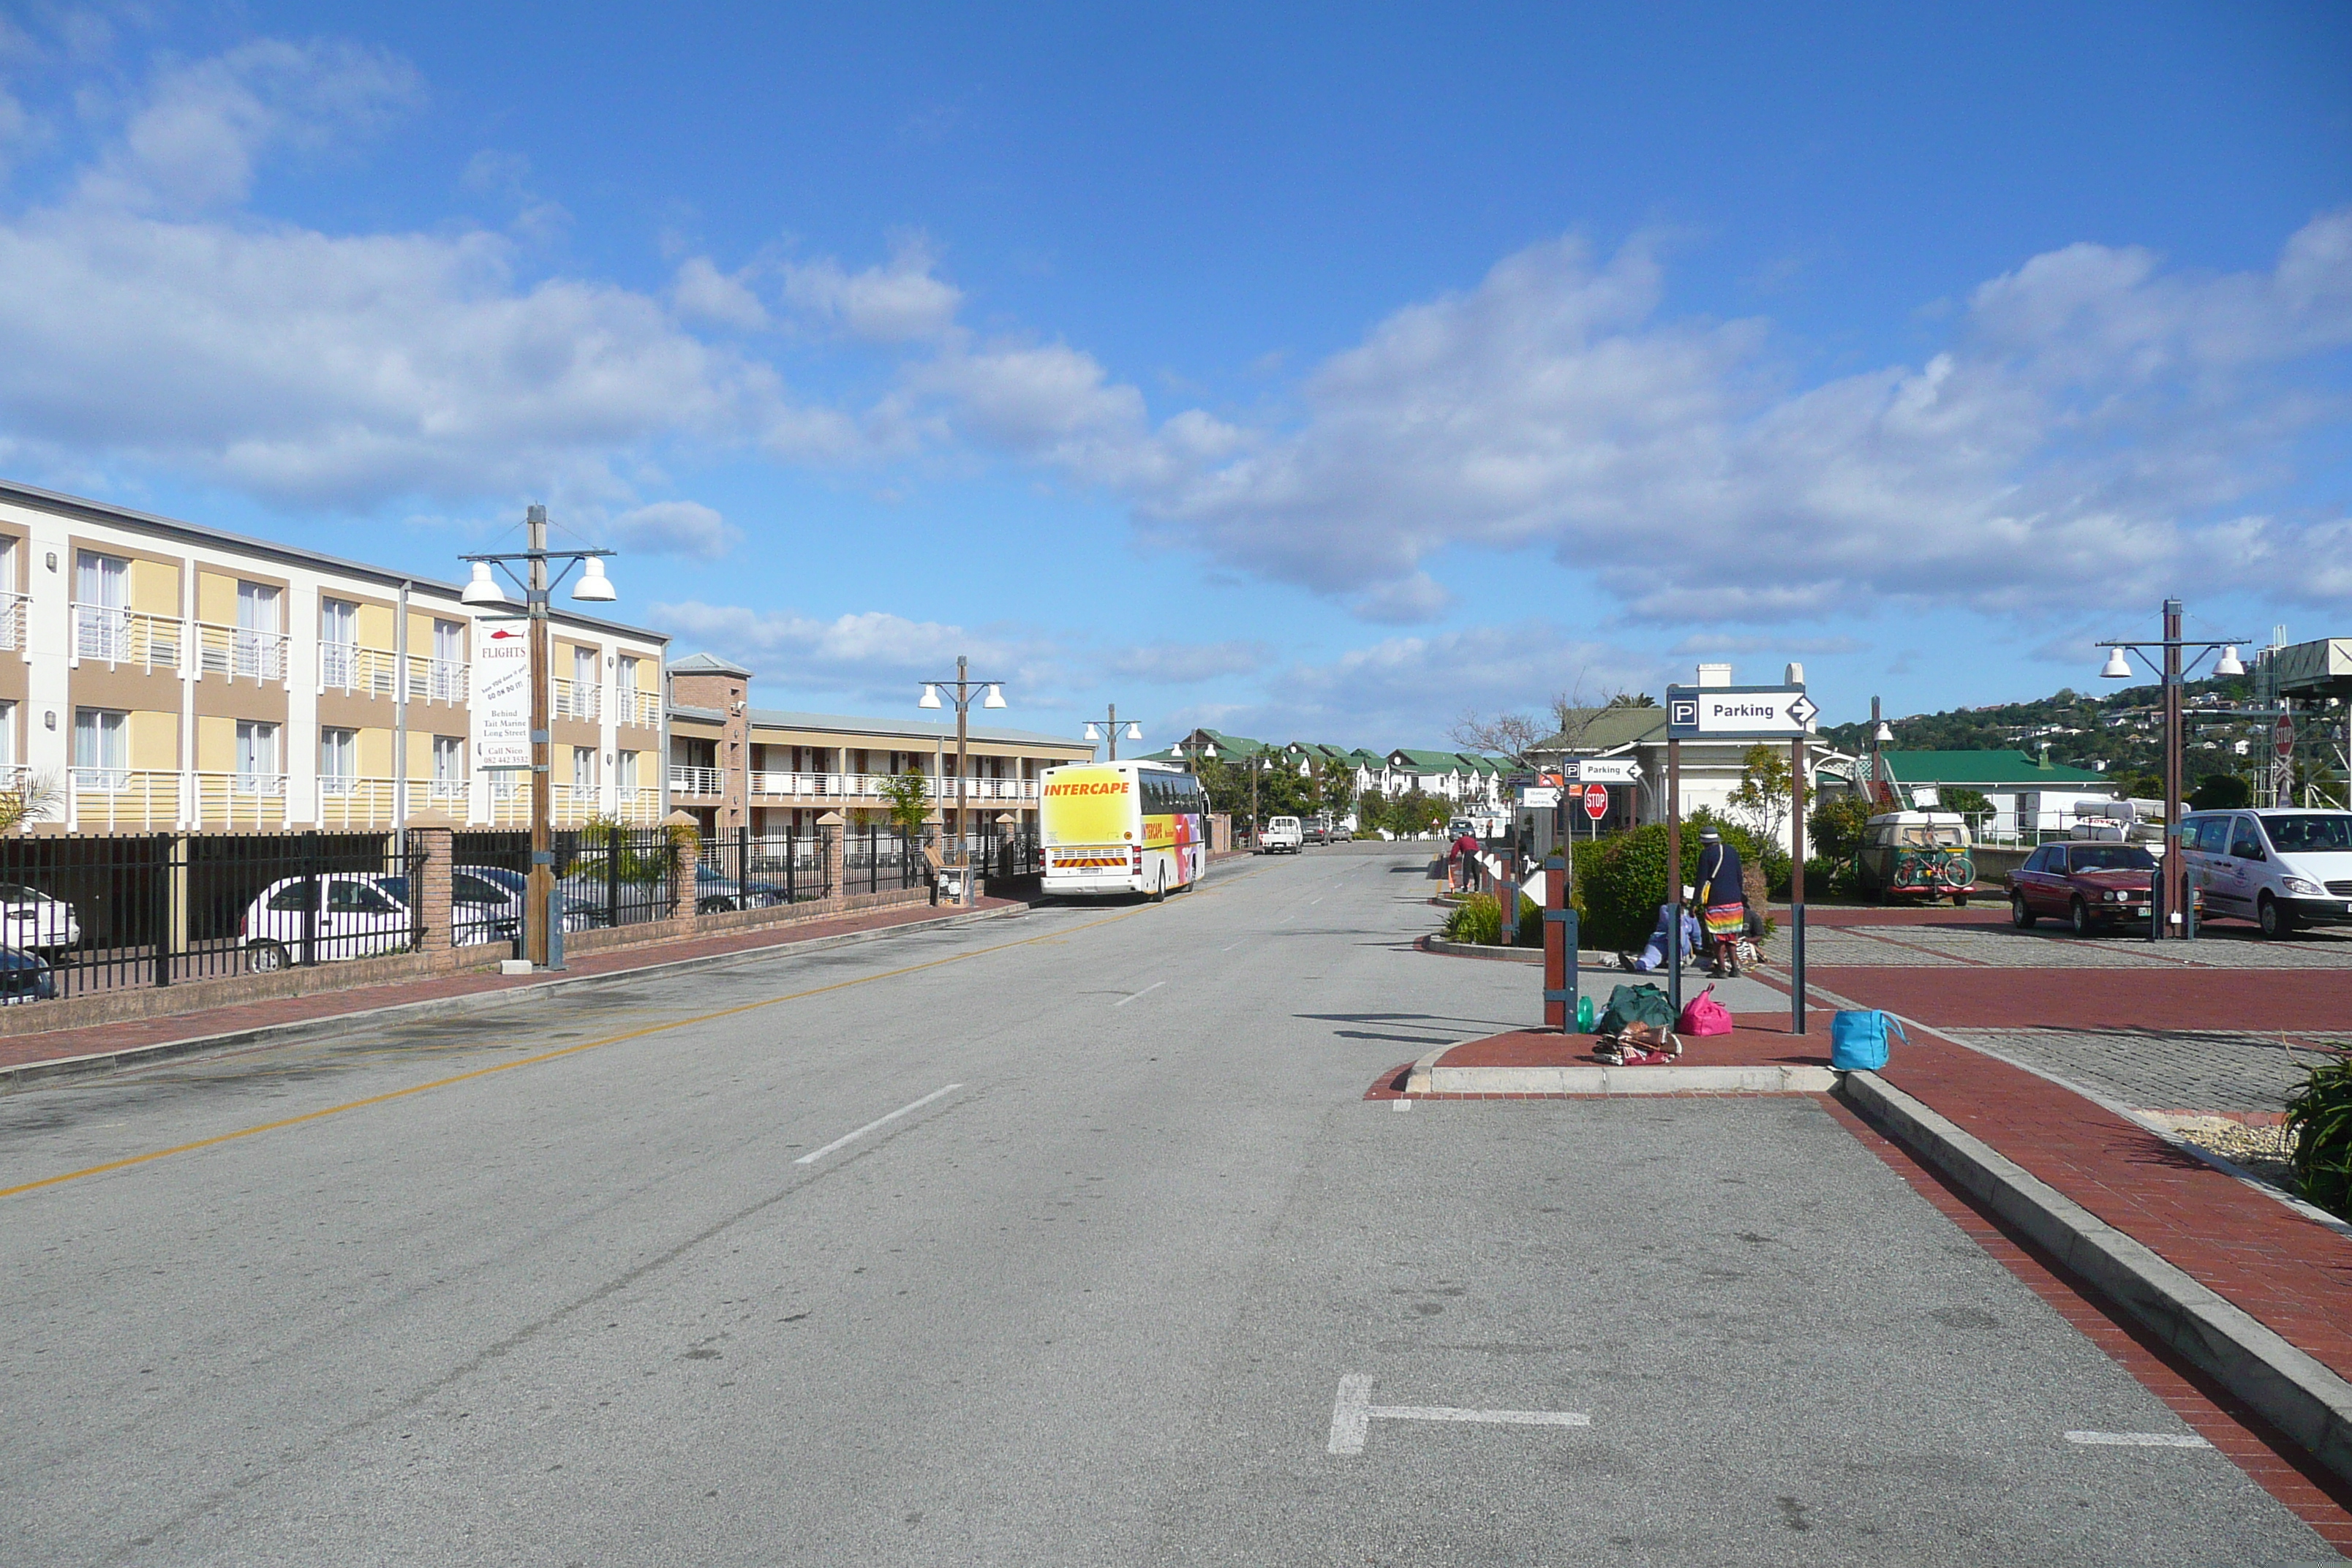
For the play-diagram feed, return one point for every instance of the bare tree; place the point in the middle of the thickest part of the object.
(1511, 735)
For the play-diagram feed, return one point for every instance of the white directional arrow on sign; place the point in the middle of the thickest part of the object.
(1803, 710)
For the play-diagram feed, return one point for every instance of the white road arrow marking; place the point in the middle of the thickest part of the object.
(1353, 1412)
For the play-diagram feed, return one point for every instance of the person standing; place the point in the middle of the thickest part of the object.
(1723, 901)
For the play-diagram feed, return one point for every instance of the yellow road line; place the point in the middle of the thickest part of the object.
(545, 1056)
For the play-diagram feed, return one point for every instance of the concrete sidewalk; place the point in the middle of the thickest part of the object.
(26, 1058)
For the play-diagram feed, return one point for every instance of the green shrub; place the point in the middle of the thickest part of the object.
(2319, 1120)
(1621, 880)
(1479, 918)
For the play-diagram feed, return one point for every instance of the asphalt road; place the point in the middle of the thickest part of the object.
(1131, 1274)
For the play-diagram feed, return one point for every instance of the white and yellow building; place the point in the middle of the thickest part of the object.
(163, 676)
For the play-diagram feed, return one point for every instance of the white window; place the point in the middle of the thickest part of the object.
(259, 645)
(257, 757)
(625, 773)
(7, 744)
(339, 758)
(448, 679)
(101, 746)
(584, 770)
(339, 643)
(625, 686)
(449, 763)
(101, 607)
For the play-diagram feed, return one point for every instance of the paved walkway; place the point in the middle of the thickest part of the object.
(107, 1039)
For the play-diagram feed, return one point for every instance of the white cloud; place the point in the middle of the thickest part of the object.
(674, 528)
(873, 658)
(1186, 664)
(902, 300)
(701, 292)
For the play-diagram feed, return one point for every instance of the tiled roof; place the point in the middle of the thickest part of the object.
(904, 729)
(1980, 770)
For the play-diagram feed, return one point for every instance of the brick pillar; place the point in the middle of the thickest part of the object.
(687, 834)
(829, 826)
(430, 832)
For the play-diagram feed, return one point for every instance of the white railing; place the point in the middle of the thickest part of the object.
(112, 798)
(639, 807)
(687, 779)
(576, 700)
(870, 786)
(240, 651)
(12, 619)
(641, 709)
(118, 636)
(453, 795)
(349, 667)
(437, 679)
(348, 803)
(236, 800)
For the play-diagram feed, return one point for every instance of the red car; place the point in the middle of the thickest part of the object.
(2092, 886)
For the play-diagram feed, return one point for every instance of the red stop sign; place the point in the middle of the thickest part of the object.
(2283, 739)
(1596, 802)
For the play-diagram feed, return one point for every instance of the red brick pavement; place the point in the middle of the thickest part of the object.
(108, 1039)
(1755, 1039)
(2264, 1001)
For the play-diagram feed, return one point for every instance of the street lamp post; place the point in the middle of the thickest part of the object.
(542, 926)
(1110, 726)
(966, 690)
(2172, 871)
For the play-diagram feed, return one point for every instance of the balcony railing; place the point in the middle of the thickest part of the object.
(351, 668)
(576, 700)
(437, 679)
(12, 620)
(685, 780)
(641, 709)
(240, 652)
(345, 802)
(105, 799)
(117, 636)
(639, 807)
(868, 786)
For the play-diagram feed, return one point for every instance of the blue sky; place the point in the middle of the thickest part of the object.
(1315, 372)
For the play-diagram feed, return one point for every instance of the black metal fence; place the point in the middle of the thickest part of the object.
(605, 875)
(80, 915)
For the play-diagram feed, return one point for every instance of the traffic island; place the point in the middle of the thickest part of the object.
(1758, 1057)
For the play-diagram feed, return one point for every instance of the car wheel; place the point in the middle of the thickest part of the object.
(713, 906)
(2276, 922)
(267, 957)
(2019, 915)
(2080, 913)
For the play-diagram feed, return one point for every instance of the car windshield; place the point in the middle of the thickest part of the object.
(1922, 836)
(513, 881)
(2311, 832)
(2112, 858)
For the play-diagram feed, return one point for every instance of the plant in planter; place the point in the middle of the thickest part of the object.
(2319, 1120)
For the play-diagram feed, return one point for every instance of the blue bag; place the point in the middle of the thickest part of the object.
(1858, 1040)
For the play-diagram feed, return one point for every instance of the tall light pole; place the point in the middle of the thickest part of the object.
(543, 924)
(966, 690)
(1110, 726)
(2172, 871)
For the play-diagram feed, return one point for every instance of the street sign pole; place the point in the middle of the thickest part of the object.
(1675, 875)
(1796, 887)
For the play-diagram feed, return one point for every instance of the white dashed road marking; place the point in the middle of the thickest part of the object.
(1353, 1412)
(811, 1157)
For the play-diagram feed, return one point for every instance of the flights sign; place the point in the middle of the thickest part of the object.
(501, 694)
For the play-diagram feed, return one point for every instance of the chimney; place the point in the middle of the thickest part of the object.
(1714, 675)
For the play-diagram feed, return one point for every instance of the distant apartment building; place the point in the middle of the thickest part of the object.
(165, 676)
(733, 766)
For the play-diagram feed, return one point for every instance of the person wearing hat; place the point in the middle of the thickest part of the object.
(1723, 903)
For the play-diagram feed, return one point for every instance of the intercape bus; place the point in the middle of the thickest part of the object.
(1122, 827)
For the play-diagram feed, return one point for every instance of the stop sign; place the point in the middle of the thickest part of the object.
(2283, 739)
(1596, 802)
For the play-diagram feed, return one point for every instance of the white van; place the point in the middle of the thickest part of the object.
(1283, 835)
(2280, 867)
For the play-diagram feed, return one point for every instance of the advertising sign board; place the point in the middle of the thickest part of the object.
(501, 694)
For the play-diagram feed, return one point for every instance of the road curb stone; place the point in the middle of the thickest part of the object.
(2288, 1386)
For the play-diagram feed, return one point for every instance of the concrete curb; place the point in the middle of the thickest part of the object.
(1595, 1078)
(1439, 945)
(2291, 1389)
(27, 1073)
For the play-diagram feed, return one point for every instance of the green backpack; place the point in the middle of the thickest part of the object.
(1643, 1003)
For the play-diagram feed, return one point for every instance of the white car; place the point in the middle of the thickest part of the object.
(363, 915)
(33, 921)
(1283, 835)
(2279, 866)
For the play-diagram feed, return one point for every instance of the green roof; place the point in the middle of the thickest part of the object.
(1429, 762)
(1983, 770)
(1606, 728)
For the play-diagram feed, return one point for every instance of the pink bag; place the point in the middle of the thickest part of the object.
(1702, 1015)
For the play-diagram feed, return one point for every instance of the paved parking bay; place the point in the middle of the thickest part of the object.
(1053, 1239)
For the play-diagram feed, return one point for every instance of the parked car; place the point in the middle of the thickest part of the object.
(1917, 854)
(509, 885)
(715, 892)
(1283, 835)
(1318, 830)
(35, 922)
(2279, 866)
(2092, 886)
(25, 977)
(355, 916)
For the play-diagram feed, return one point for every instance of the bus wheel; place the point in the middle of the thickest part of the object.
(1159, 889)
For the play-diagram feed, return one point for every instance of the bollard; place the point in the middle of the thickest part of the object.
(1560, 947)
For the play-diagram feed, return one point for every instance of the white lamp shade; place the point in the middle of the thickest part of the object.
(1092, 734)
(484, 589)
(929, 699)
(995, 698)
(1135, 731)
(2116, 669)
(1885, 733)
(2229, 663)
(594, 585)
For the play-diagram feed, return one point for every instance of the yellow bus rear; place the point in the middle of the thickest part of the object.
(1122, 828)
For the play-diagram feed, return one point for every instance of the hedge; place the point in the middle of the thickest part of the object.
(1621, 880)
